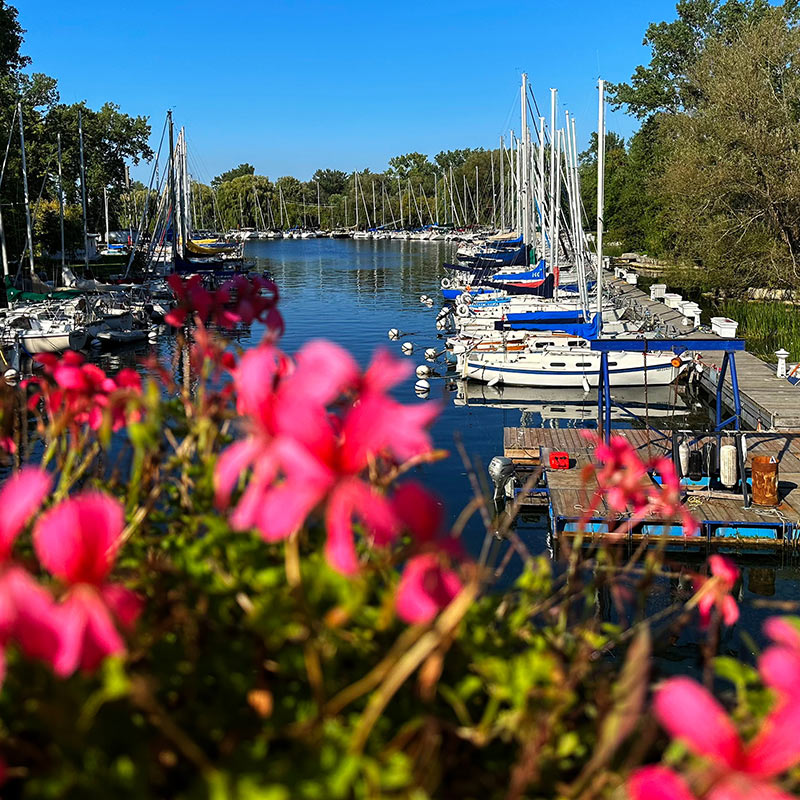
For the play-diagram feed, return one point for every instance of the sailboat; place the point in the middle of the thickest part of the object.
(509, 338)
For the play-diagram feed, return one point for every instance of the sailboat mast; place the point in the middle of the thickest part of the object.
(105, 208)
(524, 162)
(61, 203)
(172, 187)
(494, 193)
(436, 200)
(502, 184)
(355, 184)
(25, 189)
(552, 207)
(83, 192)
(477, 220)
(400, 198)
(601, 193)
(319, 214)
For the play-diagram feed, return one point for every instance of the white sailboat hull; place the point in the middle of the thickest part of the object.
(570, 369)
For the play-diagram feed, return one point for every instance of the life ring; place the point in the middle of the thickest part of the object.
(447, 283)
(462, 311)
(467, 297)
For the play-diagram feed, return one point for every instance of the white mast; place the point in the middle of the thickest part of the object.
(105, 206)
(601, 192)
(319, 214)
(552, 206)
(400, 197)
(355, 186)
(502, 184)
(494, 193)
(61, 206)
(524, 163)
(25, 189)
(83, 192)
(477, 220)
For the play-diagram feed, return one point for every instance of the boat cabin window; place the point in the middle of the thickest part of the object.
(558, 364)
(584, 364)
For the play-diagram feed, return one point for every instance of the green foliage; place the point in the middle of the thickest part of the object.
(236, 172)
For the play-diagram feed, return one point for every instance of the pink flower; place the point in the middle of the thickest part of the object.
(418, 510)
(314, 428)
(426, 587)
(625, 486)
(27, 614)
(779, 665)
(77, 541)
(717, 591)
(658, 783)
(736, 771)
(83, 393)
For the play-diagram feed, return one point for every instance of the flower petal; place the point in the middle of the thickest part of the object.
(657, 783)
(425, 589)
(689, 712)
(20, 498)
(77, 540)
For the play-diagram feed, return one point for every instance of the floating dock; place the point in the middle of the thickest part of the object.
(767, 401)
(727, 518)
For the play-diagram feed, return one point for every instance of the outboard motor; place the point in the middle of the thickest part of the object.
(501, 471)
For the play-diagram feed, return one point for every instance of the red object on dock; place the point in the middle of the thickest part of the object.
(559, 460)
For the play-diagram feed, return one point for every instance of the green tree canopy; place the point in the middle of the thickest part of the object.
(242, 169)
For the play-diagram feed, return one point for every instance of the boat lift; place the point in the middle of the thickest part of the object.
(678, 346)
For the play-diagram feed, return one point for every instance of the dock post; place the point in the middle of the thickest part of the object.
(737, 401)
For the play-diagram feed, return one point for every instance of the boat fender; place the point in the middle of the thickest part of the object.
(423, 370)
(466, 296)
(394, 333)
(683, 458)
(431, 354)
(407, 348)
(727, 465)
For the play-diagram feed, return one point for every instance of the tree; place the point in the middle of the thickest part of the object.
(413, 165)
(732, 172)
(11, 60)
(236, 172)
(331, 181)
(664, 85)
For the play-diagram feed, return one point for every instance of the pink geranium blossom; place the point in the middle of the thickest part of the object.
(623, 483)
(426, 587)
(736, 770)
(27, 612)
(717, 594)
(83, 393)
(241, 299)
(77, 541)
(779, 665)
(315, 425)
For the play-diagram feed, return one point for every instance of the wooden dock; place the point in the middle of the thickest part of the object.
(724, 520)
(767, 401)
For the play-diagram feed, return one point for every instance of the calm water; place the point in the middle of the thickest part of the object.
(353, 292)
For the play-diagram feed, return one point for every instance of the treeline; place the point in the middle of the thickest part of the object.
(112, 139)
(458, 186)
(711, 179)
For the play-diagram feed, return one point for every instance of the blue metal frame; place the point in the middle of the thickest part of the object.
(678, 346)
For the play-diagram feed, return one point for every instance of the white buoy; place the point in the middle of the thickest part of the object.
(422, 387)
(394, 333)
(423, 370)
(440, 325)
(407, 348)
(585, 384)
(429, 302)
(431, 354)
(11, 376)
(728, 470)
(423, 298)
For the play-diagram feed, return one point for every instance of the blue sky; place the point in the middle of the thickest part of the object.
(292, 86)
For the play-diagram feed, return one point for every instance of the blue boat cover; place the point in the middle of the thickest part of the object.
(554, 321)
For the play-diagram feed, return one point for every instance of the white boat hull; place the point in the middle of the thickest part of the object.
(570, 369)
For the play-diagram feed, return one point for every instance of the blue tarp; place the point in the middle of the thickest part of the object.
(553, 321)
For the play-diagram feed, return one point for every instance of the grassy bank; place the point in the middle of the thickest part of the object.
(766, 327)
